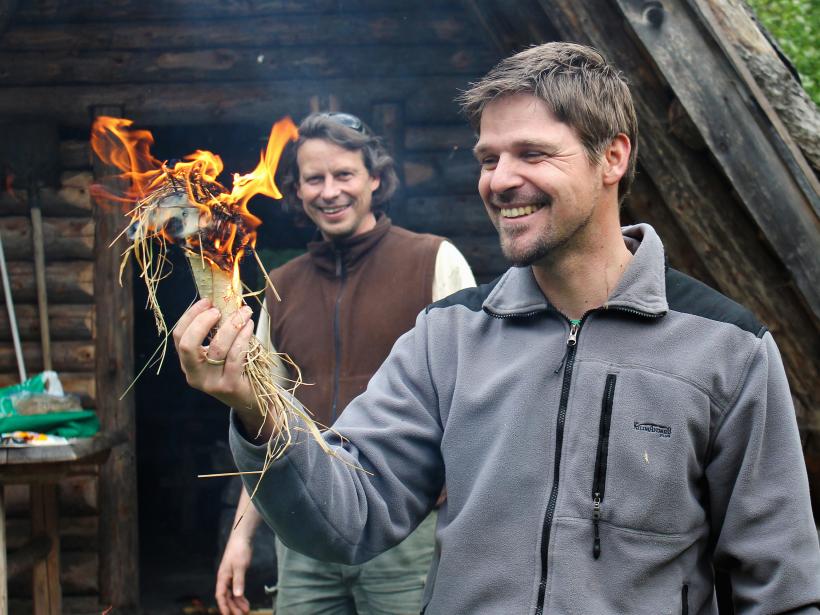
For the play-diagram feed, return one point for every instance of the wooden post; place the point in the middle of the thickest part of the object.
(4, 588)
(114, 361)
(40, 272)
(46, 589)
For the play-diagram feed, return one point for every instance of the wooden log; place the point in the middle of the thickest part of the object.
(645, 204)
(74, 189)
(64, 356)
(27, 555)
(432, 172)
(67, 282)
(75, 154)
(70, 198)
(67, 322)
(89, 10)
(446, 215)
(78, 575)
(201, 103)
(785, 202)
(81, 384)
(800, 115)
(65, 202)
(64, 238)
(387, 120)
(440, 137)
(114, 370)
(24, 68)
(77, 496)
(78, 533)
(72, 605)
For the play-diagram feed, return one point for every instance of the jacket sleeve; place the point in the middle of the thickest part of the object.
(765, 537)
(382, 481)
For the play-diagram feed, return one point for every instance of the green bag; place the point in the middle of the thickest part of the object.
(73, 424)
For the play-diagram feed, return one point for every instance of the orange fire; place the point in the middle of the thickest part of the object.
(225, 228)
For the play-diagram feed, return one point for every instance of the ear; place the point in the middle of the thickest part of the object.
(298, 190)
(616, 159)
(375, 182)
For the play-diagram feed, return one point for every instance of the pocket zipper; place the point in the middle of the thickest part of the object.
(599, 479)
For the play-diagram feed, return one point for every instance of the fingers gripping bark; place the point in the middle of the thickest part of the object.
(230, 343)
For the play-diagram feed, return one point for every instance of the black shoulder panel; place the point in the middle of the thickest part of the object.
(471, 298)
(687, 295)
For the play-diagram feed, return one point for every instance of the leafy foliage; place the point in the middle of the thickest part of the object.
(795, 24)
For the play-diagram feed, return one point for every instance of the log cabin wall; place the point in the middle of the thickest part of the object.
(184, 66)
(68, 230)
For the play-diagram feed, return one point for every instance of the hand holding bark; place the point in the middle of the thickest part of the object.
(218, 368)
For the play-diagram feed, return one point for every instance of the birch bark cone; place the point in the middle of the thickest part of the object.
(221, 287)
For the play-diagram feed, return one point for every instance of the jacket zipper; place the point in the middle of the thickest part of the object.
(684, 599)
(599, 480)
(569, 360)
(337, 336)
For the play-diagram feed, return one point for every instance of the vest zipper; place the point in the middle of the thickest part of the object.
(568, 362)
(599, 480)
(337, 336)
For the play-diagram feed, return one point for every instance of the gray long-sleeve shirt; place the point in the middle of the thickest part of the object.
(602, 467)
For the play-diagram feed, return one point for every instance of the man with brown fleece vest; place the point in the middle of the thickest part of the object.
(358, 288)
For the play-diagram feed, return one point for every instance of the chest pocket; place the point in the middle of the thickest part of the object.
(643, 438)
(658, 435)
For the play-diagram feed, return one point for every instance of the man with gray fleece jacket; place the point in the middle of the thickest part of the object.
(610, 431)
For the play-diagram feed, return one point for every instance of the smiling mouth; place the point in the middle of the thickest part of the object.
(518, 212)
(333, 210)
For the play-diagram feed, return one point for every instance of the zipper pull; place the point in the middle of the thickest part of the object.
(573, 332)
(338, 264)
(596, 518)
(574, 325)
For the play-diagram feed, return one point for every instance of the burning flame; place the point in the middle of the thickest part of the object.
(225, 228)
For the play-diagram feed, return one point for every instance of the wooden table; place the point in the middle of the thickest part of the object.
(41, 467)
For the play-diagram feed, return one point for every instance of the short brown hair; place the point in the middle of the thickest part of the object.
(377, 160)
(578, 86)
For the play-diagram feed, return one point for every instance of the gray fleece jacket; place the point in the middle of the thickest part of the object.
(599, 467)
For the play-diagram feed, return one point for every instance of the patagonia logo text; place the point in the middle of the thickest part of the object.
(664, 431)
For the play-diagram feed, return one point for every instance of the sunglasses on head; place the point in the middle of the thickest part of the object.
(345, 119)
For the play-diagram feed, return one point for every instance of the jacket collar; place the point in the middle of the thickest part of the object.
(642, 288)
(326, 255)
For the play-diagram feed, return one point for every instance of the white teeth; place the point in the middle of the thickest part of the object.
(516, 212)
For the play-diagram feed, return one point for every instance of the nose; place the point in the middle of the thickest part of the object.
(505, 175)
(330, 189)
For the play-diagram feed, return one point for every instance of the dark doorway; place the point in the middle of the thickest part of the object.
(184, 520)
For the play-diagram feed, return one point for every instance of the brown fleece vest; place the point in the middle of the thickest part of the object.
(345, 304)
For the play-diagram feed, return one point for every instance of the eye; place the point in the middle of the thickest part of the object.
(488, 162)
(312, 180)
(344, 175)
(533, 155)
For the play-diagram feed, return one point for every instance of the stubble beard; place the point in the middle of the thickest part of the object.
(547, 245)
(523, 256)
